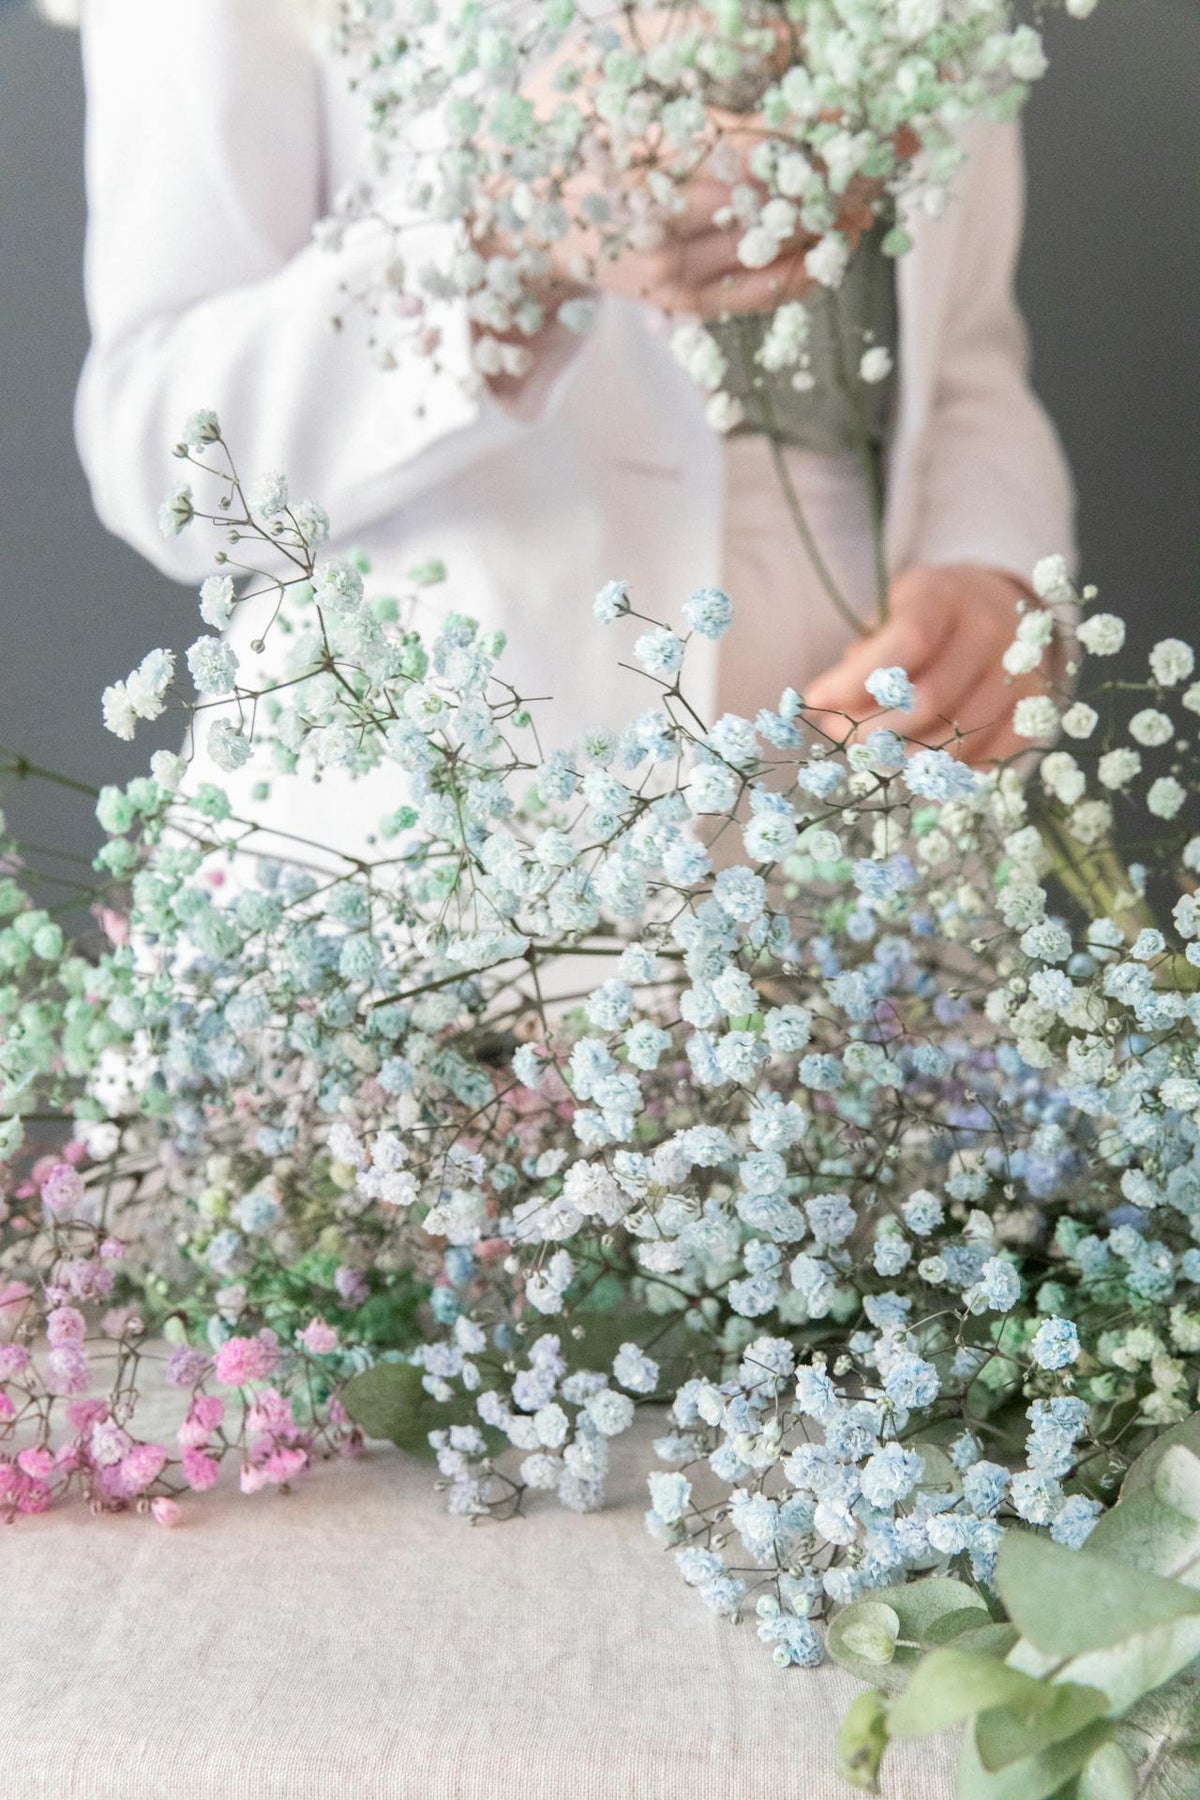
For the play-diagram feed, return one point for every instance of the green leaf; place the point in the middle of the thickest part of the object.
(951, 1685)
(1007, 1734)
(1128, 1672)
(1177, 1481)
(1069, 1603)
(1148, 1533)
(1161, 1736)
(988, 1640)
(917, 1605)
(1108, 1774)
(869, 1630)
(388, 1401)
(862, 1741)
(1034, 1777)
(1142, 1472)
(952, 1625)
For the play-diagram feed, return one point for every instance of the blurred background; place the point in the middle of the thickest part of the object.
(1110, 281)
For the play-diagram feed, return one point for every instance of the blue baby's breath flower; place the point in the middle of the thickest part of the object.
(891, 689)
(611, 602)
(936, 775)
(1055, 1344)
(709, 612)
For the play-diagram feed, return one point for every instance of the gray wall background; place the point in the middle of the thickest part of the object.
(1110, 281)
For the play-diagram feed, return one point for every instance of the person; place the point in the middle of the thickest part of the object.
(218, 133)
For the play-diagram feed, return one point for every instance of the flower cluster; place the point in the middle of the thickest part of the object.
(836, 1100)
(517, 149)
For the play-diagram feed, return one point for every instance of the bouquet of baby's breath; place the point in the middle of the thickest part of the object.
(544, 139)
(790, 1078)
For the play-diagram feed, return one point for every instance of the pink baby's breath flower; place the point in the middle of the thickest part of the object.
(209, 1409)
(204, 1415)
(285, 1462)
(76, 1151)
(21, 1493)
(244, 1359)
(86, 1280)
(112, 1249)
(67, 1370)
(270, 1412)
(62, 1189)
(108, 1443)
(199, 1471)
(252, 1479)
(166, 1511)
(37, 1462)
(319, 1338)
(14, 1360)
(7, 1409)
(66, 1325)
(186, 1367)
(83, 1414)
(142, 1465)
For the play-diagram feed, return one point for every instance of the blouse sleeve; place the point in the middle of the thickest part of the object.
(205, 176)
(996, 488)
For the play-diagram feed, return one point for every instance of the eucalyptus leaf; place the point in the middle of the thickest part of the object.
(858, 1639)
(1177, 1481)
(1161, 1737)
(1149, 1533)
(1141, 1473)
(989, 1640)
(871, 1632)
(1007, 1734)
(952, 1626)
(388, 1401)
(951, 1685)
(862, 1741)
(1127, 1672)
(1034, 1777)
(1070, 1603)
(1108, 1775)
(917, 1605)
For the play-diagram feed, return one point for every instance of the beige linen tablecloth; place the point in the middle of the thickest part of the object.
(351, 1640)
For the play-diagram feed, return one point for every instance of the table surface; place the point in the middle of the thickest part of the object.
(350, 1639)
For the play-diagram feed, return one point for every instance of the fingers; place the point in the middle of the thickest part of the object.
(909, 641)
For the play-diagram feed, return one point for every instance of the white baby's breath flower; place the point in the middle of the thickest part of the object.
(168, 769)
(1172, 661)
(1117, 768)
(1091, 820)
(1051, 582)
(1165, 797)
(202, 429)
(1080, 720)
(876, 364)
(1103, 634)
(1035, 717)
(826, 261)
(724, 412)
(117, 710)
(268, 496)
(1062, 777)
(216, 601)
(1151, 728)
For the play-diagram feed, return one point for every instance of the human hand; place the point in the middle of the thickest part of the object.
(948, 627)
